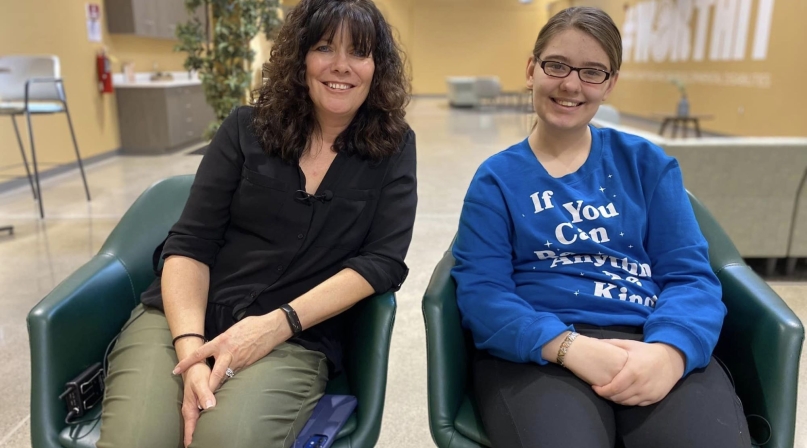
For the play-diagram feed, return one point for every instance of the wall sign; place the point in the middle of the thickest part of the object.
(93, 12)
(680, 31)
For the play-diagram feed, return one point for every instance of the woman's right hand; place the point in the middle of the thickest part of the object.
(197, 396)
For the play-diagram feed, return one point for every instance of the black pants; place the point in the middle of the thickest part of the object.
(532, 406)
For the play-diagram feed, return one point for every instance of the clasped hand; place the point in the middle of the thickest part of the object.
(237, 348)
(240, 346)
(631, 373)
(650, 372)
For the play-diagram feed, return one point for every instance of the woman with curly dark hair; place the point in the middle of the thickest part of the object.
(302, 206)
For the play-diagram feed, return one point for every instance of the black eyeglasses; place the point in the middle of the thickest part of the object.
(561, 70)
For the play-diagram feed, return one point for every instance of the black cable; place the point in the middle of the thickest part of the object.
(79, 422)
(70, 415)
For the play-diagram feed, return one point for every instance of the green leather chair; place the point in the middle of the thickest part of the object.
(71, 327)
(760, 343)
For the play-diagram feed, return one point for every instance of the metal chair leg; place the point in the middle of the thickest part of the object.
(36, 167)
(790, 266)
(24, 157)
(78, 155)
(770, 266)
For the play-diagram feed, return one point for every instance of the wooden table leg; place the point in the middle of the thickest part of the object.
(663, 126)
(697, 124)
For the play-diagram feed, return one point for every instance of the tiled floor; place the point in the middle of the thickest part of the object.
(451, 144)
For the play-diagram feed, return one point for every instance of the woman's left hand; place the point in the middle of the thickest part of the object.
(241, 345)
(647, 377)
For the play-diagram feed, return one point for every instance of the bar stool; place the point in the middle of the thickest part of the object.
(32, 85)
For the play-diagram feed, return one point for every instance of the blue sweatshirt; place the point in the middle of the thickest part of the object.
(614, 243)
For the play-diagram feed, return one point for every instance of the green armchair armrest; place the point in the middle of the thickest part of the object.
(72, 326)
(448, 355)
(760, 341)
(366, 363)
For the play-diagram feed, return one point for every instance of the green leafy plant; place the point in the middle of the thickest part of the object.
(217, 40)
(681, 86)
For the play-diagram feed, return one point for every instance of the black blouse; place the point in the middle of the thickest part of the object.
(267, 243)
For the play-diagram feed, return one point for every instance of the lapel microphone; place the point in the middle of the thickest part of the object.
(305, 197)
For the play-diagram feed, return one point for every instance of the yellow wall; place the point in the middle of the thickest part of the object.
(471, 38)
(58, 27)
(399, 15)
(463, 38)
(767, 97)
(494, 37)
(144, 53)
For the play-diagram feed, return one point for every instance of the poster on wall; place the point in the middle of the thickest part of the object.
(93, 11)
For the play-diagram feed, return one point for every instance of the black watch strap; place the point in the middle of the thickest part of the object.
(291, 316)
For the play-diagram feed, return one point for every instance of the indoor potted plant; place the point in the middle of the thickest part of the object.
(217, 42)
(682, 109)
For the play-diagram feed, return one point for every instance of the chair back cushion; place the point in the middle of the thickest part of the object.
(150, 218)
(487, 86)
(607, 114)
(21, 68)
(448, 357)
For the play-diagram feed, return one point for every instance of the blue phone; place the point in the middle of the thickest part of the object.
(330, 414)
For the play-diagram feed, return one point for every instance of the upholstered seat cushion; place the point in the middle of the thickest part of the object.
(39, 107)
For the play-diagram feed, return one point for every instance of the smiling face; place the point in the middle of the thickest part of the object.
(569, 103)
(338, 77)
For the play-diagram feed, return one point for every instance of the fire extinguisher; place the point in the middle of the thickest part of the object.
(104, 68)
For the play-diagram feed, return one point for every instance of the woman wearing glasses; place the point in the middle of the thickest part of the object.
(583, 276)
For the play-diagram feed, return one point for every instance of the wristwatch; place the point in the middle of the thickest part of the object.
(291, 316)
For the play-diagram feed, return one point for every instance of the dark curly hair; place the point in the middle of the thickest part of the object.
(284, 117)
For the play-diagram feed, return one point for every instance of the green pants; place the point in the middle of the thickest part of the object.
(264, 405)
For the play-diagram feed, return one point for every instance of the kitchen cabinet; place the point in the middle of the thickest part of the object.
(147, 18)
(161, 119)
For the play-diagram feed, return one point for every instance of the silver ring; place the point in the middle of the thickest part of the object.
(229, 372)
